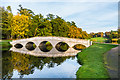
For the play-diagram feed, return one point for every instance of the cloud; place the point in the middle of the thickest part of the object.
(97, 17)
(103, 29)
(60, 0)
(109, 16)
(90, 16)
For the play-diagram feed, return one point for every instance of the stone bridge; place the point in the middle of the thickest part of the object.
(53, 40)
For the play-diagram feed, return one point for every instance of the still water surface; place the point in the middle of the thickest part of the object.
(17, 65)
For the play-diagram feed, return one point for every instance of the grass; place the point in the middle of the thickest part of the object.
(5, 44)
(98, 39)
(92, 62)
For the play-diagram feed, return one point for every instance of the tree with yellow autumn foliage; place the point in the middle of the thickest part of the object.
(74, 32)
(19, 26)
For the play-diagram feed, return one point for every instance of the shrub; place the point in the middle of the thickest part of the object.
(118, 41)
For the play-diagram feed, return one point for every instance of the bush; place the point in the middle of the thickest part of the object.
(118, 41)
(108, 41)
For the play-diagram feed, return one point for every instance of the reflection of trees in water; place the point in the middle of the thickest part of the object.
(25, 64)
(7, 67)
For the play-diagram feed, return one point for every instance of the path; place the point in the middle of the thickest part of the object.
(111, 62)
(105, 43)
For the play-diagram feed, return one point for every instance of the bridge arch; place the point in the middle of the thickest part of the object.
(18, 45)
(45, 46)
(79, 46)
(62, 46)
(30, 46)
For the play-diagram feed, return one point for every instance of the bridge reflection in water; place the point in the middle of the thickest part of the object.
(17, 65)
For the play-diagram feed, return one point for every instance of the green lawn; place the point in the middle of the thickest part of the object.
(98, 39)
(92, 62)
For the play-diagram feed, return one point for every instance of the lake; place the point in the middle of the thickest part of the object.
(18, 65)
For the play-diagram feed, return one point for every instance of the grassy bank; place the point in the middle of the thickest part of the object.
(5, 44)
(92, 62)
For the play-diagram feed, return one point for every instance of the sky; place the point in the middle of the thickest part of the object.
(91, 16)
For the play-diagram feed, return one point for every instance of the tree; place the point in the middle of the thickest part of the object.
(20, 26)
(45, 29)
(118, 33)
(40, 26)
(92, 34)
(74, 32)
(6, 22)
(100, 34)
(25, 11)
(59, 27)
(73, 23)
(9, 9)
(27, 24)
(85, 35)
(35, 22)
(114, 34)
(50, 16)
(107, 34)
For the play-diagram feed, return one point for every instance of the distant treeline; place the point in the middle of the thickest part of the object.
(110, 35)
(99, 34)
(27, 24)
(113, 35)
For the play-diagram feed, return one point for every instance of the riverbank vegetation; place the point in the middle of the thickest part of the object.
(92, 61)
(5, 45)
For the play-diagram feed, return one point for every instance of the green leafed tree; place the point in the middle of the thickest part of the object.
(25, 11)
(6, 22)
(59, 27)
